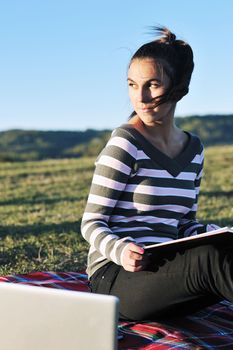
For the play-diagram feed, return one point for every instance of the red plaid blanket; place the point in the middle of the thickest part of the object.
(211, 328)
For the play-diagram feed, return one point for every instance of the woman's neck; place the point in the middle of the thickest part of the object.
(161, 131)
(165, 136)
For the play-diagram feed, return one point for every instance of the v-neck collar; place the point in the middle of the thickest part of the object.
(173, 165)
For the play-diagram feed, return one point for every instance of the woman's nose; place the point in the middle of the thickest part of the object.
(143, 95)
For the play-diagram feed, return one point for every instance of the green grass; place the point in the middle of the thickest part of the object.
(41, 204)
(216, 197)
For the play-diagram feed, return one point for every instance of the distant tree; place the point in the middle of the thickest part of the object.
(21, 145)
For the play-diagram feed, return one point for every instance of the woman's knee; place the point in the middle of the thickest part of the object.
(206, 268)
(205, 253)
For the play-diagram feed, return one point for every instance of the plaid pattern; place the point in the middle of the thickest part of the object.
(210, 328)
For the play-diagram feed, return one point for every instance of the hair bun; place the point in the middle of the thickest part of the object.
(167, 37)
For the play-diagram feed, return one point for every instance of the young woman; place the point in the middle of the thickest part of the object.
(145, 190)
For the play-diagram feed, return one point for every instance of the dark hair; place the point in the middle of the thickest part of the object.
(176, 59)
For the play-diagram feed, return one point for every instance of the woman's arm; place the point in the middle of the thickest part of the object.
(113, 169)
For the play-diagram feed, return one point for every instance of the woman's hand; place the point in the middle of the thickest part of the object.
(133, 259)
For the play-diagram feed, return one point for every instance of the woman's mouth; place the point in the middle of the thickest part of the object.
(146, 109)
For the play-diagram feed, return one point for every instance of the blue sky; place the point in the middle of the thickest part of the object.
(63, 63)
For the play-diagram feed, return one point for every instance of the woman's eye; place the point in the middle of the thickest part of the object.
(132, 85)
(154, 86)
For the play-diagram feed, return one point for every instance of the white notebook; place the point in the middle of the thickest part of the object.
(215, 236)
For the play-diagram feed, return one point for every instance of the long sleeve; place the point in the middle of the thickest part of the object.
(113, 168)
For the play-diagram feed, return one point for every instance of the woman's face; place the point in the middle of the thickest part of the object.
(147, 82)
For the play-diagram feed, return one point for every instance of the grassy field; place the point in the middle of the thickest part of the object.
(41, 204)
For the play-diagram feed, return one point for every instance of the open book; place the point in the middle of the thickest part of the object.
(223, 236)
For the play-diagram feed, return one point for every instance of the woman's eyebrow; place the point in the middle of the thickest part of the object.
(150, 80)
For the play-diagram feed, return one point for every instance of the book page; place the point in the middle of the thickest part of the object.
(207, 237)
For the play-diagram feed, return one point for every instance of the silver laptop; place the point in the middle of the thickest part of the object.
(36, 318)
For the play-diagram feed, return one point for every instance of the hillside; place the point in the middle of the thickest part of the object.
(212, 129)
(22, 145)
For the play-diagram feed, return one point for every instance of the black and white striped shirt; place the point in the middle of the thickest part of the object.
(140, 194)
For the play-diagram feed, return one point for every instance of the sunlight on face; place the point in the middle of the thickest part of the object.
(147, 82)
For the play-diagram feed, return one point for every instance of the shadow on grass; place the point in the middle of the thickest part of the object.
(39, 200)
(217, 193)
(46, 173)
(39, 229)
(222, 222)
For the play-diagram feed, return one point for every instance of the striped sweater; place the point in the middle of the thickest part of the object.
(140, 194)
